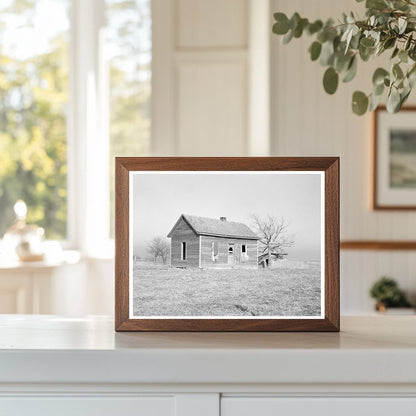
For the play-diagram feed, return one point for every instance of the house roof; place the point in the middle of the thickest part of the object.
(217, 227)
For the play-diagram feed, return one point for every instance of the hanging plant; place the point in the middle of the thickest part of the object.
(389, 27)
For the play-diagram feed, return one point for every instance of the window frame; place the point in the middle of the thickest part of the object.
(87, 131)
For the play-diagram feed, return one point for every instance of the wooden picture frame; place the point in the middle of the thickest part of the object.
(133, 175)
(394, 184)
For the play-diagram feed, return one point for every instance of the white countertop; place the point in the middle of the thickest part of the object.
(53, 349)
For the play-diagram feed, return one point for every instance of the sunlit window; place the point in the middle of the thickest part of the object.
(33, 102)
(41, 76)
(129, 43)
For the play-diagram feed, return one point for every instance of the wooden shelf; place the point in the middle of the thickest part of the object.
(378, 245)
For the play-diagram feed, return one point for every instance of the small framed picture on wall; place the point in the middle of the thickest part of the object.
(394, 178)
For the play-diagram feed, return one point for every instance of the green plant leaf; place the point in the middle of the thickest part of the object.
(367, 42)
(281, 27)
(314, 27)
(389, 43)
(379, 75)
(359, 103)
(351, 71)
(330, 80)
(374, 102)
(403, 56)
(298, 30)
(393, 101)
(378, 89)
(395, 52)
(341, 61)
(397, 71)
(288, 37)
(408, 42)
(315, 50)
(376, 4)
(327, 53)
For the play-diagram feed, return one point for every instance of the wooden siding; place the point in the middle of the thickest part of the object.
(183, 233)
(206, 252)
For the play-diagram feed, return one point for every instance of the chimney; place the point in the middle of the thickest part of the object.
(223, 218)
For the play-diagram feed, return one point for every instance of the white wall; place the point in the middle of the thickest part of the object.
(308, 122)
(211, 92)
(202, 81)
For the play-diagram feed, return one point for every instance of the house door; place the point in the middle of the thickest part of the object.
(230, 253)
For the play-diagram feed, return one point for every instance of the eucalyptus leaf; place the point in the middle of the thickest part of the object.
(315, 50)
(367, 42)
(330, 80)
(397, 71)
(395, 52)
(379, 75)
(314, 27)
(393, 101)
(288, 37)
(359, 103)
(350, 73)
(376, 4)
(404, 96)
(281, 26)
(408, 42)
(402, 22)
(389, 43)
(378, 89)
(374, 101)
(298, 30)
(327, 54)
(341, 62)
(403, 56)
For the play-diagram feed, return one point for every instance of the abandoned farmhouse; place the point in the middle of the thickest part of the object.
(212, 243)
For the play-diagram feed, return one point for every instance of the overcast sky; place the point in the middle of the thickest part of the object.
(159, 199)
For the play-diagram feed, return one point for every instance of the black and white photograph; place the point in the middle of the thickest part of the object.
(226, 244)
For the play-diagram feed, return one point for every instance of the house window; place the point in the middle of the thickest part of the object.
(214, 249)
(243, 248)
(183, 250)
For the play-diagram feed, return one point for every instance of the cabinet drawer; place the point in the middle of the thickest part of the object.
(87, 406)
(273, 406)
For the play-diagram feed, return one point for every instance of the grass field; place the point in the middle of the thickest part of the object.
(291, 289)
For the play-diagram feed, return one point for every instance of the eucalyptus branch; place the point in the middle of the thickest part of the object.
(389, 25)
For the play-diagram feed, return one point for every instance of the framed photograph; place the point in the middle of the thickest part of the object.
(394, 179)
(227, 244)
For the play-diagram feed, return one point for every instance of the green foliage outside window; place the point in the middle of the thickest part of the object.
(34, 104)
(33, 99)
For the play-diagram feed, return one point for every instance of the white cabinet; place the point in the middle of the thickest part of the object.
(88, 406)
(268, 406)
(51, 365)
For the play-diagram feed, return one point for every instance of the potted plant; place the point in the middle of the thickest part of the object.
(389, 27)
(387, 294)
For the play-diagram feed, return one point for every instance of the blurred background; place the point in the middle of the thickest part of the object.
(83, 81)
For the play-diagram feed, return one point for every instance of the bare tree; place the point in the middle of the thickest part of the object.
(274, 236)
(158, 247)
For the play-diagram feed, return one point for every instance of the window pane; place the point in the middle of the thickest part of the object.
(129, 51)
(33, 100)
